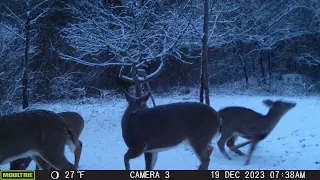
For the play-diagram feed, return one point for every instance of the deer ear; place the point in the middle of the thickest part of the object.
(268, 102)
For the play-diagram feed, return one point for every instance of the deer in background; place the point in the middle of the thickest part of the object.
(76, 124)
(39, 134)
(244, 122)
(152, 130)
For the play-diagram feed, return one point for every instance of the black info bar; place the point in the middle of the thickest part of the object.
(163, 174)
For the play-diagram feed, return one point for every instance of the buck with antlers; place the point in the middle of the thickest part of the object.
(39, 134)
(139, 77)
(76, 124)
(152, 130)
(244, 122)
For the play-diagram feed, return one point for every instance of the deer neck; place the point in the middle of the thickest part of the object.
(126, 118)
(273, 117)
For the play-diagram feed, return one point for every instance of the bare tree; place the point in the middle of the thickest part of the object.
(253, 29)
(204, 85)
(134, 38)
(11, 51)
(216, 32)
(263, 25)
(32, 11)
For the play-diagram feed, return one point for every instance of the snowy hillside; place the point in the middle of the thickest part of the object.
(294, 143)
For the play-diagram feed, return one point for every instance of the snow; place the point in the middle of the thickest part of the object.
(294, 143)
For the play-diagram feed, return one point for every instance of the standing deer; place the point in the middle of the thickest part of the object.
(244, 122)
(76, 123)
(39, 134)
(152, 130)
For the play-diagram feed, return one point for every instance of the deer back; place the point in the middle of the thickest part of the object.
(242, 120)
(168, 125)
(250, 123)
(30, 130)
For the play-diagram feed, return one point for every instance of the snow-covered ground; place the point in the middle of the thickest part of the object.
(294, 143)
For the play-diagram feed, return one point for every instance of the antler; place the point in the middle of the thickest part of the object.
(135, 75)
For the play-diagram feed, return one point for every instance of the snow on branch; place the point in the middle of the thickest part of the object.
(137, 34)
(307, 58)
(12, 30)
(268, 23)
(11, 52)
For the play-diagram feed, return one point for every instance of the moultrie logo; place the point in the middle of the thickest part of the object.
(17, 175)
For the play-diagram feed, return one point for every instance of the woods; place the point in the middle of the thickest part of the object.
(51, 50)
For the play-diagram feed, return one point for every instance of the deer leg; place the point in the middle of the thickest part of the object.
(20, 164)
(225, 136)
(204, 156)
(241, 145)
(252, 148)
(57, 160)
(131, 154)
(40, 163)
(17, 164)
(77, 154)
(151, 159)
(202, 149)
(27, 162)
(230, 144)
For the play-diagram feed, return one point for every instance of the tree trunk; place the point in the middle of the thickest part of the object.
(201, 82)
(25, 98)
(204, 86)
(269, 67)
(262, 68)
(253, 68)
(244, 66)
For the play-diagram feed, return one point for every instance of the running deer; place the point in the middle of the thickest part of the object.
(152, 130)
(244, 122)
(76, 123)
(39, 134)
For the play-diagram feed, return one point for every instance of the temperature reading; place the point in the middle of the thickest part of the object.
(72, 174)
(81, 173)
(68, 174)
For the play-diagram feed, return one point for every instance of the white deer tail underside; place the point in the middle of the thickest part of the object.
(71, 142)
(71, 145)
